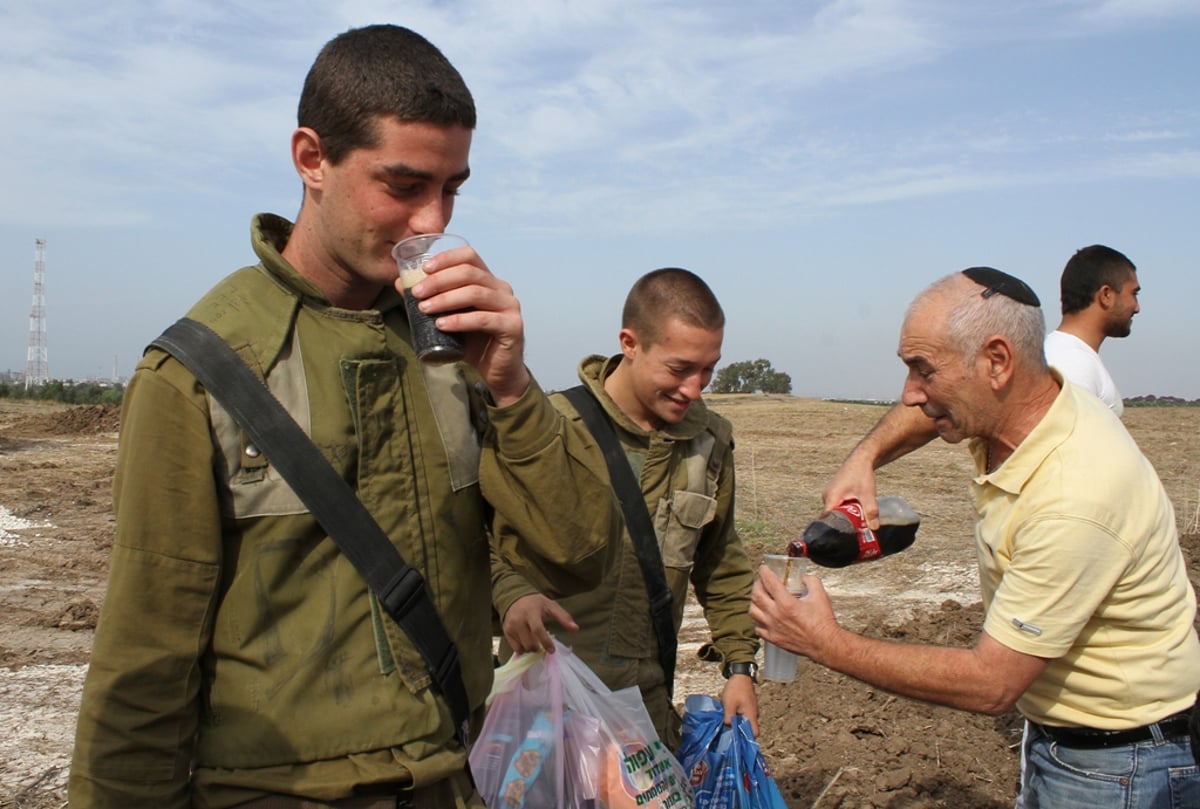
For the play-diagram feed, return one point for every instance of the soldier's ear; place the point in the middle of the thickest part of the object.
(308, 156)
(630, 343)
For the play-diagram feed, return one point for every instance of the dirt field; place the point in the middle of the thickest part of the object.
(832, 742)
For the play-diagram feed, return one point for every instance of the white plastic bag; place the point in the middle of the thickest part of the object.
(555, 735)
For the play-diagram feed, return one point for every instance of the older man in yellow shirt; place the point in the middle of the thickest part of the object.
(1089, 625)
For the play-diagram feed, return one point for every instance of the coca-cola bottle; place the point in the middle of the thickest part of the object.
(841, 536)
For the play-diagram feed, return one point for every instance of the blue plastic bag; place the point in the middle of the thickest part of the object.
(724, 764)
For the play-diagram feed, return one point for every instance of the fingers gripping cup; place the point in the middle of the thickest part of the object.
(431, 344)
(780, 664)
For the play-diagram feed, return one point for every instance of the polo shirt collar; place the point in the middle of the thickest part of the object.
(1046, 436)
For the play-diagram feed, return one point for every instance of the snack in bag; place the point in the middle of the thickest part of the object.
(556, 736)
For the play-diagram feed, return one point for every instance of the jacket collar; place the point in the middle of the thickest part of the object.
(269, 234)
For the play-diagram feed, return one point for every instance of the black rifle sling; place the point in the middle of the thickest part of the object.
(399, 586)
(637, 520)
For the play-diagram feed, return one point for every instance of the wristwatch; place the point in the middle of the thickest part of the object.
(749, 669)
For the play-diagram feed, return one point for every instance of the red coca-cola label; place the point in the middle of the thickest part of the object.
(868, 545)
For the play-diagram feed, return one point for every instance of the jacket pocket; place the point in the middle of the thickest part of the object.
(678, 524)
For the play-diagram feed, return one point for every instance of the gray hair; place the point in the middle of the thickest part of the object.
(971, 319)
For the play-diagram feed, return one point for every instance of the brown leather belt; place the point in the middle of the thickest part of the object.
(1090, 738)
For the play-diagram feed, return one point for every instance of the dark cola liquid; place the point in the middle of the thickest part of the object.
(431, 344)
(829, 547)
(834, 540)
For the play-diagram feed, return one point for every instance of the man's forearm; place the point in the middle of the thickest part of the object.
(901, 430)
(987, 679)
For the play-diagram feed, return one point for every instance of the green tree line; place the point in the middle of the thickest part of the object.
(751, 376)
(67, 392)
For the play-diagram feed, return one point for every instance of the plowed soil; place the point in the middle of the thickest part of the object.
(832, 742)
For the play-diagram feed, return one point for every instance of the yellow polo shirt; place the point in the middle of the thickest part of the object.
(1079, 562)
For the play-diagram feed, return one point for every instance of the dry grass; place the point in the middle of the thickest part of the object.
(786, 450)
(1191, 518)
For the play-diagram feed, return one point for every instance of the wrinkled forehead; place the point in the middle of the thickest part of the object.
(923, 332)
(927, 312)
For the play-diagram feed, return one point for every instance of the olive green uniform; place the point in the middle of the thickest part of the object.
(692, 510)
(238, 652)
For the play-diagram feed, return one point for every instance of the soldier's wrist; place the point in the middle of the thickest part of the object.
(748, 668)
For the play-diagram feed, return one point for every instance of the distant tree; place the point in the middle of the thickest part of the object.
(68, 392)
(52, 390)
(776, 382)
(751, 376)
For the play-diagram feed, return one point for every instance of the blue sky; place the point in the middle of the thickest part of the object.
(817, 162)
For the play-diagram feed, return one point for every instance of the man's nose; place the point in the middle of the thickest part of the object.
(431, 217)
(692, 386)
(912, 395)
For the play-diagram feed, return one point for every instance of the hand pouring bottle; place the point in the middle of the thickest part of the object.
(841, 536)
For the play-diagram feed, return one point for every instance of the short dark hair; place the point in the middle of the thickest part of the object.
(379, 70)
(670, 292)
(1088, 270)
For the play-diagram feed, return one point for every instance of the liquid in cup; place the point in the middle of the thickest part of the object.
(431, 344)
(780, 664)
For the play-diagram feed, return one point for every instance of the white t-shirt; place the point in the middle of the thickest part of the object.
(1080, 364)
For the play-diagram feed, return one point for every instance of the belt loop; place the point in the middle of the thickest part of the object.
(1157, 734)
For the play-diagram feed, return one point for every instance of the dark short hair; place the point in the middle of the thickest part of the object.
(1088, 270)
(670, 292)
(379, 70)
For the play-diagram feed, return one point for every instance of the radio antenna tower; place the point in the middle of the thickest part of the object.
(37, 370)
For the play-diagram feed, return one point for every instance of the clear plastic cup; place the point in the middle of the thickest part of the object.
(779, 664)
(431, 343)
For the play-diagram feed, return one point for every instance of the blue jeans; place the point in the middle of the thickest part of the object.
(1154, 774)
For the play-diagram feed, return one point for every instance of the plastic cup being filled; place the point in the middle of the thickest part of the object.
(780, 664)
(431, 344)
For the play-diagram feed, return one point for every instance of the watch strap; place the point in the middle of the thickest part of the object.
(750, 669)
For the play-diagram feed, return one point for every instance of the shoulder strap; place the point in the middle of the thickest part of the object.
(637, 520)
(722, 432)
(400, 588)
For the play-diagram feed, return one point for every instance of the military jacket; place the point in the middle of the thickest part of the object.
(238, 652)
(692, 510)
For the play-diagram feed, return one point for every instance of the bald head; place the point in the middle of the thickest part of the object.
(968, 312)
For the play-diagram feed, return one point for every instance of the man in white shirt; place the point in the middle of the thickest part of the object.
(1099, 299)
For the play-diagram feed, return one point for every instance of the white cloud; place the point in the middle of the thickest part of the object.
(1147, 136)
(1182, 165)
(605, 120)
(1115, 13)
(640, 71)
(117, 103)
(625, 98)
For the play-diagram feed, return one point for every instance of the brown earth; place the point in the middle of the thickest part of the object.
(832, 742)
